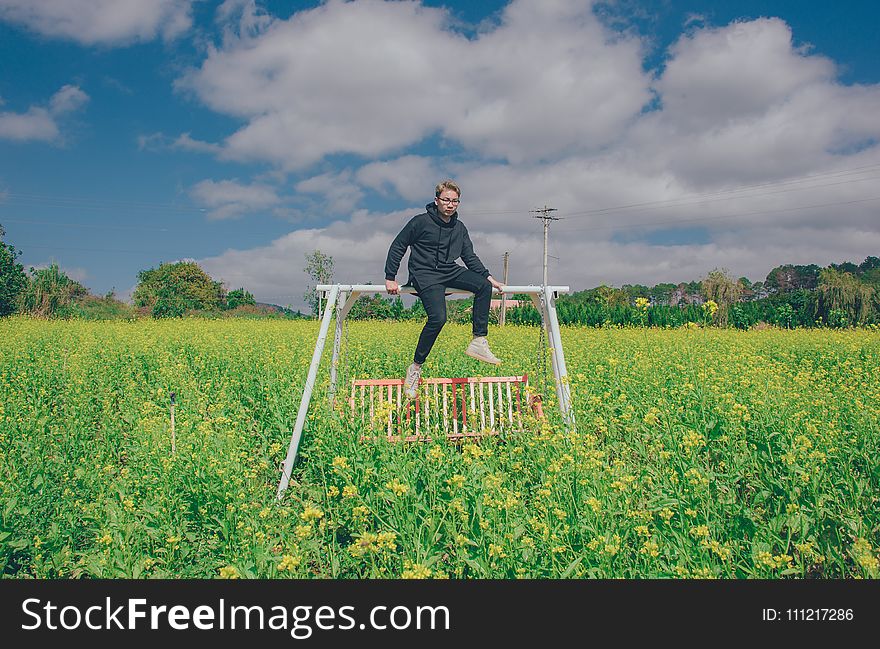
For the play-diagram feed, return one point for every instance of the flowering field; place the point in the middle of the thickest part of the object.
(698, 453)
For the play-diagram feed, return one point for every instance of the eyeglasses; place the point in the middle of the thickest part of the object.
(449, 201)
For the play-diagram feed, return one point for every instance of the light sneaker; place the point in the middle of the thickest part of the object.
(411, 382)
(479, 349)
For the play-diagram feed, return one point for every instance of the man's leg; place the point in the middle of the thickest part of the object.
(482, 290)
(434, 300)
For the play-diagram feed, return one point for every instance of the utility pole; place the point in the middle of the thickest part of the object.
(545, 216)
(504, 295)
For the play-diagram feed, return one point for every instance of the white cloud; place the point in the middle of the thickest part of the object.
(35, 124)
(68, 99)
(736, 73)
(275, 273)
(39, 123)
(228, 199)
(742, 104)
(91, 22)
(188, 143)
(340, 194)
(408, 176)
(548, 80)
(754, 155)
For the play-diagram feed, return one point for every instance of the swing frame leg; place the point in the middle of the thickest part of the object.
(287, 467)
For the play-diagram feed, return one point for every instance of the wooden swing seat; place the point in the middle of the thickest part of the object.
(457, 408)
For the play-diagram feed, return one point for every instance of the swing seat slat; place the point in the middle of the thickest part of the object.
(480, 406)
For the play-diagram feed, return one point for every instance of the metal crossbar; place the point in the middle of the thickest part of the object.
(455, 408)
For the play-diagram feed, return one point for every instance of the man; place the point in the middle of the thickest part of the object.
(436, 239)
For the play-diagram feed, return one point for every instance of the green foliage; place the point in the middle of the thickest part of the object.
(239, 297)
(843, 299)
(12, 277)
(697, 454)
(48, 290)
(789, 277)
(172, 289)
(92, 307)
(720, 288)
(319, 267)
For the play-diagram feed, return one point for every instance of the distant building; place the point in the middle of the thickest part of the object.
(511, 304)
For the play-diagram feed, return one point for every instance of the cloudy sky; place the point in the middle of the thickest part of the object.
(671, 136)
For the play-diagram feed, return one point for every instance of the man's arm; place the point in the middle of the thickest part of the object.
(470, 259)
(395, 254)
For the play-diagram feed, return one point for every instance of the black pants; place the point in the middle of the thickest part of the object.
(434, 300)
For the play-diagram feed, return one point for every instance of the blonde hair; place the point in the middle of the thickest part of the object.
(447, 184)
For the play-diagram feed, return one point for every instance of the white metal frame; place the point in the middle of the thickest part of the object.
(341, 297)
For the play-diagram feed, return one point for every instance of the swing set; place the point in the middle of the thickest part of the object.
(456, 408)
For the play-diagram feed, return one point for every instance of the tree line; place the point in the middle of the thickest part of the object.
(839, 295)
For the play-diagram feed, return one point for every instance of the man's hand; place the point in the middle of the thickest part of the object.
(495, 283)
(392, 287)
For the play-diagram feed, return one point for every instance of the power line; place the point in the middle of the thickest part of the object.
(69, 201)
(789, 185)
(652, 224)
(86, 225)
(730, 194)
(25, 247)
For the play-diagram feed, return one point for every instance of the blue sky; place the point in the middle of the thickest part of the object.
(673, 137)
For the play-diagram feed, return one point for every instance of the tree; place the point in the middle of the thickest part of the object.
(12, 277)
(320, 269)
(611, 297)
(720, 288)
(843, 298)
(788, 277)
(48, 290)
(661, 293)
(239, 297)
(870, 263)
(172, 289)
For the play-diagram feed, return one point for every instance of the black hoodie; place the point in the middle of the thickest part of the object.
(434, 246)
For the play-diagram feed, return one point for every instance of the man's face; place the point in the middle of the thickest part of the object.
(447, 202)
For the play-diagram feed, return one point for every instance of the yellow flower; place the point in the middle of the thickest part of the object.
(289, 562)
(311, 513)
(416, 571)
(349, 491)
(456, 481)
(360, 511)
(863, 553)
(651, 417)
(496, 551)
(303, 531)
(700, 531)
(397, 487)
(229, 572)
(650, 548)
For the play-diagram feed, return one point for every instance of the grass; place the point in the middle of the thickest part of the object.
(698, 453)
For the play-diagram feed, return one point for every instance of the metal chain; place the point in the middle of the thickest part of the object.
(344, 354)
(542, 349)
